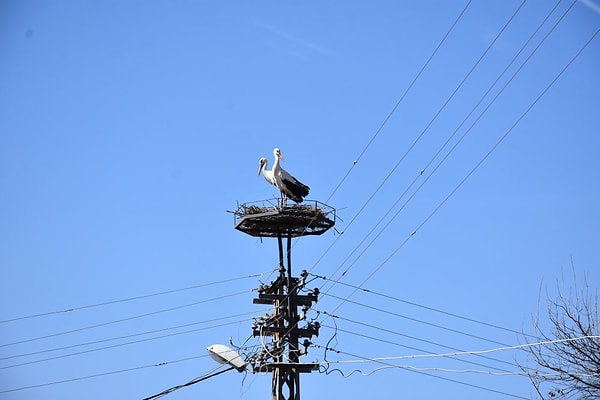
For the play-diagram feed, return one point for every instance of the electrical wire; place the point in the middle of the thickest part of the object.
(485, 157)
(411, 303)
(264, 345)
(192, 382)
(390, 342)
(386, 360)
(481, 161)
(407, 90)
(449, 370)
(120, 371)
(460, 15)
(421, 172)
(123, 344)
(386, 363)
(126, 336)
(381, 310)
(124, 319)
(487, 351)
(111, 302)
(437, 114)
(410, 337)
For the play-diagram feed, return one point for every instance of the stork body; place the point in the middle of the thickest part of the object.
(288, 185)
(262, 167)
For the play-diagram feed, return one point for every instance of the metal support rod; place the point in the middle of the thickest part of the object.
(280, 244)
(292, 339)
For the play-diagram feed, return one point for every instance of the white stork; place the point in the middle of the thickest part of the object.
(262, 167)
(286, 183)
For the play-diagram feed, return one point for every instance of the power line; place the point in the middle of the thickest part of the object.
(127, 336)
(454, 315)
(123, 344)
(386, 363)
(400, 100)
(456, 371)
(487, 351)
(363, 335)
(485, 157)
(414, 319)
(128, 299)
(120, 371)
(407, 90)
(124, 319)
(482, 160)
(423, 67)
(436, 115)
(192, 382)
(407, 336)
(419, 175)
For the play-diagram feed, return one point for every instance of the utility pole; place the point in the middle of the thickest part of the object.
(282, 331)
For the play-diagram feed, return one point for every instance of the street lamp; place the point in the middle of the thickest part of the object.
(225, 355)
(218, 352)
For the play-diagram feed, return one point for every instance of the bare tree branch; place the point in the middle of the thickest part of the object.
(566, 368)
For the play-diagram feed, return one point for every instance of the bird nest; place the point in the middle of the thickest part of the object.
(267, 219)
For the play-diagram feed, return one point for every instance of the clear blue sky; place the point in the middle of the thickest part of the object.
(129, 128)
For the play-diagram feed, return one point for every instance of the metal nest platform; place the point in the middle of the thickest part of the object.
(266, 218)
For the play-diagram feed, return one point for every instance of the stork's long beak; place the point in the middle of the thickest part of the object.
(281, 157)
(260, 166)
